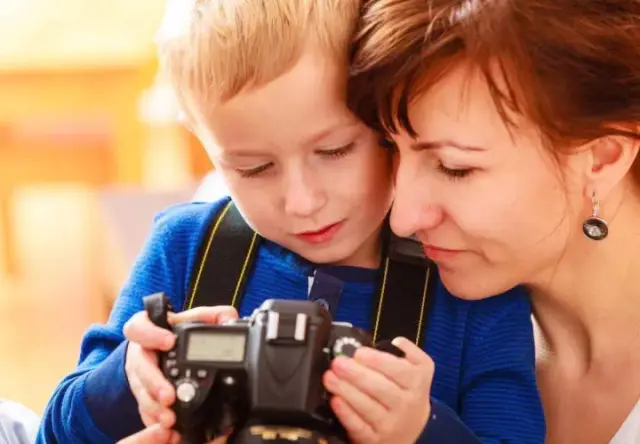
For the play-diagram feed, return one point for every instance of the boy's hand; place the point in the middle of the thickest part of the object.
(151, 389)
(380, 398)
(156, 434)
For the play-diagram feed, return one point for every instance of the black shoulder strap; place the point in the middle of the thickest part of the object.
(404, 292)
(224, 260)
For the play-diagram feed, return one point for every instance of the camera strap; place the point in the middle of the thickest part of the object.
(403, 297)
(224, 261)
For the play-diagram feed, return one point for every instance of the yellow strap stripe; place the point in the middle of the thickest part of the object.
(244, 269)
(206, 253)
(383, 292)
(424, 301)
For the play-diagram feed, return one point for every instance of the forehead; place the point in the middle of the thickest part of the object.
(307, 100)
(460, 106)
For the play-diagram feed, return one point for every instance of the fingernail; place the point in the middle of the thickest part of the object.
(341, 364)
(166, 396)
(223, 319)
(166, 419)
(331, 380)
(168, 340)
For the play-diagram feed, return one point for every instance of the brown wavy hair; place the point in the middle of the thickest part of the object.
(572, 67)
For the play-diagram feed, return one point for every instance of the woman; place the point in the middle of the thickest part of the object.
(518, 128)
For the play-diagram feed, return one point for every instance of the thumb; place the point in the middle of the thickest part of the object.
(152, 435)
(209, 315)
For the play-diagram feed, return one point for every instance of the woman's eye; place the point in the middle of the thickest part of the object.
(253, 172)
(338, 152)
(454, 173)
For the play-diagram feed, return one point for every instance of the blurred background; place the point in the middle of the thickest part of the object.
(90, 150)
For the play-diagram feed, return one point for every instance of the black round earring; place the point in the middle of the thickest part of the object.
(594, 227)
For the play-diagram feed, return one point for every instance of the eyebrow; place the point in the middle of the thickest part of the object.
(435, 144)
(314, 139)
(244, 154)
(321, 135)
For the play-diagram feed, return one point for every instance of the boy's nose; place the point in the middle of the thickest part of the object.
(303, 199)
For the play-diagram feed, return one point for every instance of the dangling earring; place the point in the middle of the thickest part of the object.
(594, 227)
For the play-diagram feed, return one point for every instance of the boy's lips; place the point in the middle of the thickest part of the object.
(321, 235)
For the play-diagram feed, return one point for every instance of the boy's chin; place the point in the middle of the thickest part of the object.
(330, 254)
(322, 256)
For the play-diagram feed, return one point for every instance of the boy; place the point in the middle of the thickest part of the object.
(263, 85)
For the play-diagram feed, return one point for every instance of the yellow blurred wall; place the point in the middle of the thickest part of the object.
(71, 76)
(64, 33)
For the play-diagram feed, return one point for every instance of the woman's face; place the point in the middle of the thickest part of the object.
(491, 205)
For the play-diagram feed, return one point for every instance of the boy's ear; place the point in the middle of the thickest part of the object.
(610, 160)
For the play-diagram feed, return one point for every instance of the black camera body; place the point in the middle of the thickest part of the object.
(259, 376)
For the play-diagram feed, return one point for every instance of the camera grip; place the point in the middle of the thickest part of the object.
(158, 307)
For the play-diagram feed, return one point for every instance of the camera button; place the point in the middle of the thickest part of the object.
(172, 354)
(174, 372)
(346, 346)
(186, 391)
(201, 374)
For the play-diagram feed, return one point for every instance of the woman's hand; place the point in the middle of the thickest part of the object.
(380, 398)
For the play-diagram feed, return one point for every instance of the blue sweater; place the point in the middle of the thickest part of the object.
(483, 350)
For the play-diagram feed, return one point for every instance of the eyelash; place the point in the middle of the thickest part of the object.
(253, 172)
(331, 154)
(454, 174)
(338, 152)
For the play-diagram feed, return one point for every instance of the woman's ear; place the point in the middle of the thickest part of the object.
(611, 158)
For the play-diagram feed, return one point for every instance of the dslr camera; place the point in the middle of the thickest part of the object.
(259, 377)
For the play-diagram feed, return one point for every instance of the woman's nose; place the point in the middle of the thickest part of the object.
(414, 207)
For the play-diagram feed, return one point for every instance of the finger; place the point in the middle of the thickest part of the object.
(141, 330)
(358, 429)
(154, 411)
(399, 370)
(152, 435)
(153, 380)
(219, 440)
(151, 411)
(413, 353)
(367, 408)
(147, 420)
(210, 315)
(369, 381)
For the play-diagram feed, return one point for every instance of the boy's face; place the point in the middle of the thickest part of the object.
(302, 169)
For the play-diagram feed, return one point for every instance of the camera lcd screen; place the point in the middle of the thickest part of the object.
(216, 346)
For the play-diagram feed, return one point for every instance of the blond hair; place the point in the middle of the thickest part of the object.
(213, 49)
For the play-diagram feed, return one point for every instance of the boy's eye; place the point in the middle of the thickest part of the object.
(253, 172)
(454, 173)
(338, 152)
